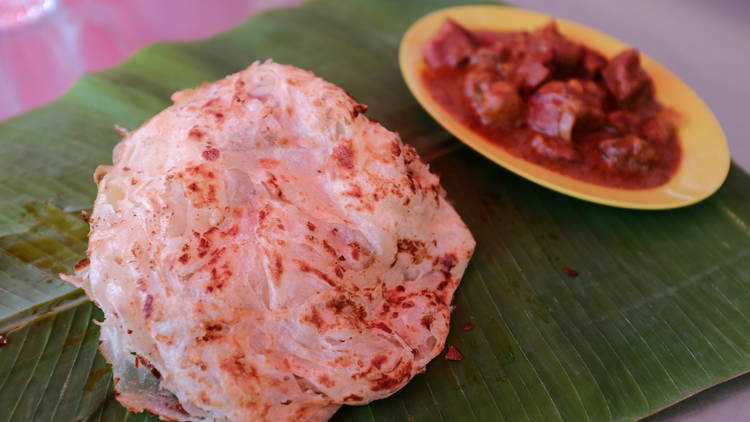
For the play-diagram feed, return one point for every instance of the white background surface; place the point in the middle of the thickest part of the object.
(706, 43)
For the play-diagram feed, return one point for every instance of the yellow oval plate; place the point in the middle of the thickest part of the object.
(705, 154)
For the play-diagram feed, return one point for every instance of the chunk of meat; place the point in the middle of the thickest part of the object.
(491, 56)
(554, 148)
(592, 62)
(626, 79)
(548, 46)
(559, 108)
(628, 153)
(452, 46)
(509, 56)
(623, 121)
(495, 100)
(529, 74)
(662, 127)
(506, 46)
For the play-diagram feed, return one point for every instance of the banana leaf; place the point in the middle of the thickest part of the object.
(658, 311)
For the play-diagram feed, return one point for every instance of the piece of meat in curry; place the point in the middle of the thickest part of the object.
(556, 102)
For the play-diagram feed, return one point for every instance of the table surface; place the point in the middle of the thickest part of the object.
(705, 43)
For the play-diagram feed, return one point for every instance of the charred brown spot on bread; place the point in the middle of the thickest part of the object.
(148, 306)
(410, 154)
(220, 275)
(305, 268)
(211, 154)
(277, 270)
(140, 284)
(196, 133)
(203, 246)
(238, 367)
(382, 326)
(139, 360)
(427, 320)
(232, 231)
(210, 103)
(359, 109)
(388, 383)
(326, 380)
(211, 193)
(343, 361)
(342, 303)
(213, 332)
(272, 186)
(353, 398)
(344, 154)
(355, 191)
(268, 163)
(378, 360)
(357, 250)
(197, 186)
(395, 149)
(85, 262)
(414, 248)
(313, 318)
(330, 249)
(410, 180)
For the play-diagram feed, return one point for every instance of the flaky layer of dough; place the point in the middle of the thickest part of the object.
(264, 251)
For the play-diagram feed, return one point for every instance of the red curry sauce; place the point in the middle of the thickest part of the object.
(556, 103)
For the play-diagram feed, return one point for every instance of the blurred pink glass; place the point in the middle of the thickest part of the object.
(51, 42)
(19, 12)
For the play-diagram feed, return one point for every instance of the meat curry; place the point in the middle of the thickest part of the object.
(556, 103)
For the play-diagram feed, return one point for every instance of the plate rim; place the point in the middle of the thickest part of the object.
(410, 51)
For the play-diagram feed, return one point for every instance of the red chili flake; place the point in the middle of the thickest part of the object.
(85, 216)
(453, 354)
(4, 340)
(571, 272)
(468, 327)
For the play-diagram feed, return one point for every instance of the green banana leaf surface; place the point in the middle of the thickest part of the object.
(658, 311)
